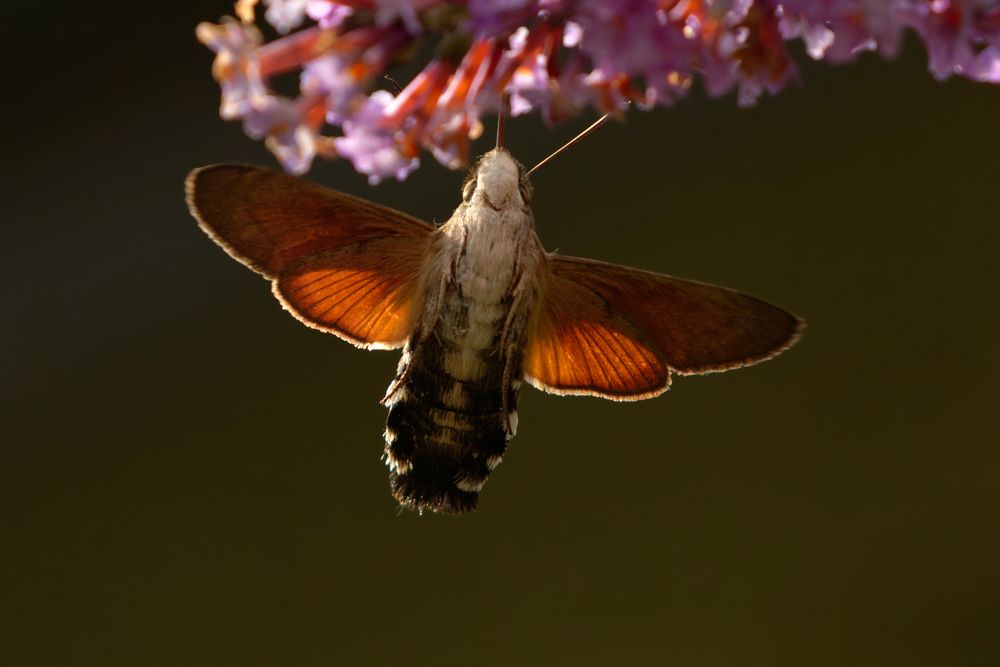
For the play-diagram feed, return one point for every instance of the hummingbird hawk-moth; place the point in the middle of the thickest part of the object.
(478, 306)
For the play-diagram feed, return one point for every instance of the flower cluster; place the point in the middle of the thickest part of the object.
(553, 57)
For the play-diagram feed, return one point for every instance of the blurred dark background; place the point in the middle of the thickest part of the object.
(190, 477)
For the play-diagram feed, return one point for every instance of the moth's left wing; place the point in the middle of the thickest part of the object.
(338, 263)
(618, 332)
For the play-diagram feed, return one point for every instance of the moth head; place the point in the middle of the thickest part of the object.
(497, 181)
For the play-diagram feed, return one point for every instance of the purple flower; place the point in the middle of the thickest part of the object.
(405, 11)
(288, 130)
(986, 66)
(285, 15)
(552, 57)
(328, 14)
(499, 17)
(334, 77)
(371, 147)
(954, 33)
(236, 66)
(839, 30)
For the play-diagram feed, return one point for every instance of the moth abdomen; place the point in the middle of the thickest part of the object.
(445, 435)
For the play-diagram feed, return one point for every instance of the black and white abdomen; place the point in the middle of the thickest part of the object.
(452, 408)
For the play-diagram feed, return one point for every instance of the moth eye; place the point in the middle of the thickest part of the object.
(525, 192)
(469, 189)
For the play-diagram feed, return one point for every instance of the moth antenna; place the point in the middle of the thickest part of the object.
(395, 84)
(580, 137)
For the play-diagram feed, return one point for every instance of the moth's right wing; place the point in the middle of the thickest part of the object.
(617, 332)
(338, 263)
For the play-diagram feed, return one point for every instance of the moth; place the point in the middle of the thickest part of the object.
(477, 306)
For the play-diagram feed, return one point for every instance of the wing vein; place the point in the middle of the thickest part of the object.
(585, 356)
(584, 330)
(333, 287)
(346, 295)
(603, 343)
(377, 311)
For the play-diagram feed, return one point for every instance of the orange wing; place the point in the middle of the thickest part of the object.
(617, 332)
(338, 263)
(580, 345)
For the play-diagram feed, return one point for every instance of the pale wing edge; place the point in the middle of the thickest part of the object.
(343, 335)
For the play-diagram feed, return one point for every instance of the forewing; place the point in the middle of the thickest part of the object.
(338, 263)
(689, 327)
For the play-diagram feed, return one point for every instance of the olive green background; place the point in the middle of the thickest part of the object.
(190, 477)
